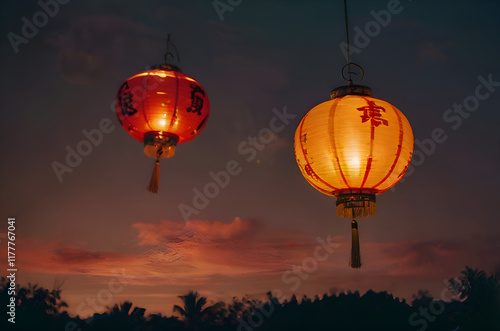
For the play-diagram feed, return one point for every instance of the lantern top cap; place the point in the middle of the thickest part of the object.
(350, 90)
(166, 67)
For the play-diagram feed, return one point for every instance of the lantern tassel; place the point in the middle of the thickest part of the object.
(154, 182)
(355, 252)
(155, 178)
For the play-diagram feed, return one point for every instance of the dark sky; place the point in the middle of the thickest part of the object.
(432, 60)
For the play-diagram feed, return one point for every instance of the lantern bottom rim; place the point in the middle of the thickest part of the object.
(160, 144)
(356, 205)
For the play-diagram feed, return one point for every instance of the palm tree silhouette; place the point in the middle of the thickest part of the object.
(470, 280)
(481, 295)
(193, 310)
(124, 310)
(477, 308)
(120, 317)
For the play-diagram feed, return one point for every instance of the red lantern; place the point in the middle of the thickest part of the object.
(162, 107)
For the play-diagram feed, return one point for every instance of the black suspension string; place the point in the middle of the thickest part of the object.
(347, 38)
(347, 31)
(167, 53)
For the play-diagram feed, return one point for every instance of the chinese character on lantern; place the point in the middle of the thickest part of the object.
(196, 99)
(125, 101)
(372, 111)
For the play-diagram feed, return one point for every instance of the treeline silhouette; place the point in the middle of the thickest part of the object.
(474, 305)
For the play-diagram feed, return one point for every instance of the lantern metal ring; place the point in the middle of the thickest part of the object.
(348, 65)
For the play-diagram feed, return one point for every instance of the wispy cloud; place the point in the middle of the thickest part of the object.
(433, 52)
(246, 256)
(168, 252)
(171, 253)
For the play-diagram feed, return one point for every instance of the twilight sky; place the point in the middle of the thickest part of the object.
(437, 61)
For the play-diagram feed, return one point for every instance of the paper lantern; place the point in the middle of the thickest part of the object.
(353, 147)
(162, 108)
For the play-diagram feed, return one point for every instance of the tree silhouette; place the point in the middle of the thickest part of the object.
(157, 322)
(120, 317)
(35, 305)
(421, 299)
(38, 308)
(481, 295)
(193, 311)
(41, 300)
(468, 283)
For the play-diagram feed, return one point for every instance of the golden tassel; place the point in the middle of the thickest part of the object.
(355, 252)
(154, 182)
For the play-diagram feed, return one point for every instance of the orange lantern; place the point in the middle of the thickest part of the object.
(353, 147)
(162, 107)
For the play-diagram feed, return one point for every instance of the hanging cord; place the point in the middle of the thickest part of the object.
(347, 31)
(349, 63)
(346, 19)
(167, 53)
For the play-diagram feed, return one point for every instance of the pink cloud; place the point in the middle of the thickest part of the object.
(173, 253)
(205, 248)
(246, 257)
(170, 233)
